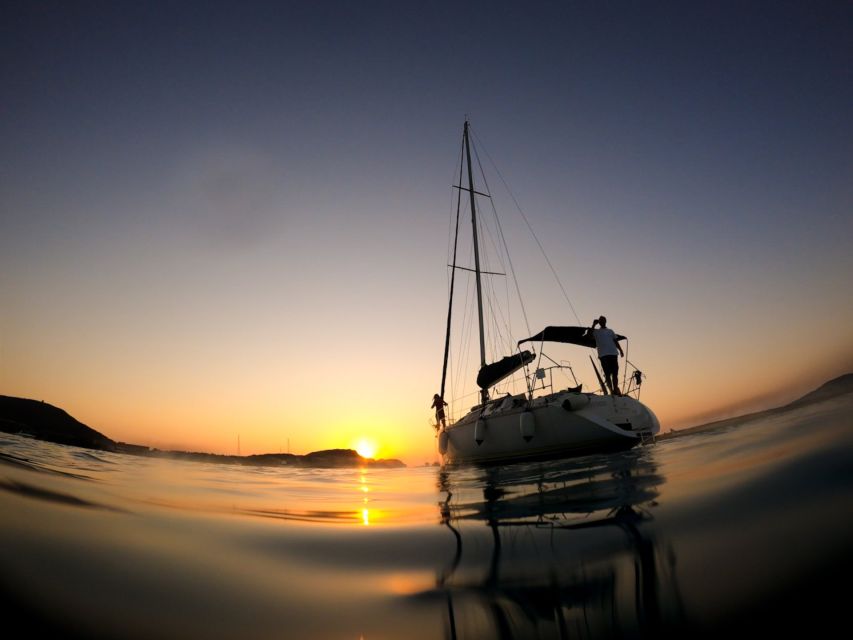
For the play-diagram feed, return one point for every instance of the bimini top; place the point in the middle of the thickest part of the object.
(491, 374)
(572, 335)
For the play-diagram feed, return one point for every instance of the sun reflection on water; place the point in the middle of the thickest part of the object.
(365, 512)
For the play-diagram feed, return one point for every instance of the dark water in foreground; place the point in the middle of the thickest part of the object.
(720, 532)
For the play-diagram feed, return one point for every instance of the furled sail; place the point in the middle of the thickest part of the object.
(493, 373)
(572, 335)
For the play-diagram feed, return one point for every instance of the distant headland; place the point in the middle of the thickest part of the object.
(43, 421)
(836, 387)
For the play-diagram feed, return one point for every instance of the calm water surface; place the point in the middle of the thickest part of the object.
(736, 530)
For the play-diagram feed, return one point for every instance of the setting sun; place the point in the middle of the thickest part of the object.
(366, 448)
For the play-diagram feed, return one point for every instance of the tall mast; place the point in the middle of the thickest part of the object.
(483, 392)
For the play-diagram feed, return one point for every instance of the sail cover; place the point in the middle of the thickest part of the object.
(491, 374)
(572, 335)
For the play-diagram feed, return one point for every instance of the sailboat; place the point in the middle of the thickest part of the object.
(541, 421)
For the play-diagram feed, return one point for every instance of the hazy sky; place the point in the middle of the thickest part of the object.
(223, 219)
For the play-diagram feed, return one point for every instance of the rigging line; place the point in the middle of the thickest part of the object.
(452, 282)
(490, 273)
(504, 332)
(497, 318)
(530, 227)
(503, 239)
(450, 357)
(509, 345)
(488, 295)
(498, 254)
(500, 330)
(454, 180)
(498, 324)
(467, 330)
(462, 329)
(496, 339)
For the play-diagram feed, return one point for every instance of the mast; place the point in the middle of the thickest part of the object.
(484, 395)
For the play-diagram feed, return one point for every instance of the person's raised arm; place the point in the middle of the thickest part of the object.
(589, 331)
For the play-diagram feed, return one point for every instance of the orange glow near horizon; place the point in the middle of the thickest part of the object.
(167, 421)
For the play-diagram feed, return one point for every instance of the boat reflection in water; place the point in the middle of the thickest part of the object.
(566, 550)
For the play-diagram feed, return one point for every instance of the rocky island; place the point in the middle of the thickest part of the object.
(40, 420)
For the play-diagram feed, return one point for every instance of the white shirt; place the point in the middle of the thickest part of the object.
(605, 342)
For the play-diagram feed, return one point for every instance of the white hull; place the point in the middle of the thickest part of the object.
(554, 425)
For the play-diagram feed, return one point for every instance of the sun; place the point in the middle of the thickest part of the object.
(366, 448)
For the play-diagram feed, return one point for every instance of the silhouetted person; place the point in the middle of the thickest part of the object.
(608, 347)
(438, 403)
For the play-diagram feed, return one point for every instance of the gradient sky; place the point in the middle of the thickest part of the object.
(223, 219)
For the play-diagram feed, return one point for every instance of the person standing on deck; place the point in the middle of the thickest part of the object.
(438, 404)
(608, 347)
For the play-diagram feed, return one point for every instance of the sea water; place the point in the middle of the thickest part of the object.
(747, 528)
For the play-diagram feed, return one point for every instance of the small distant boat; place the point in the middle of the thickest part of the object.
(523, 426)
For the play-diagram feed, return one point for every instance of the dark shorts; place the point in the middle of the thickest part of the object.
(610, 364)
